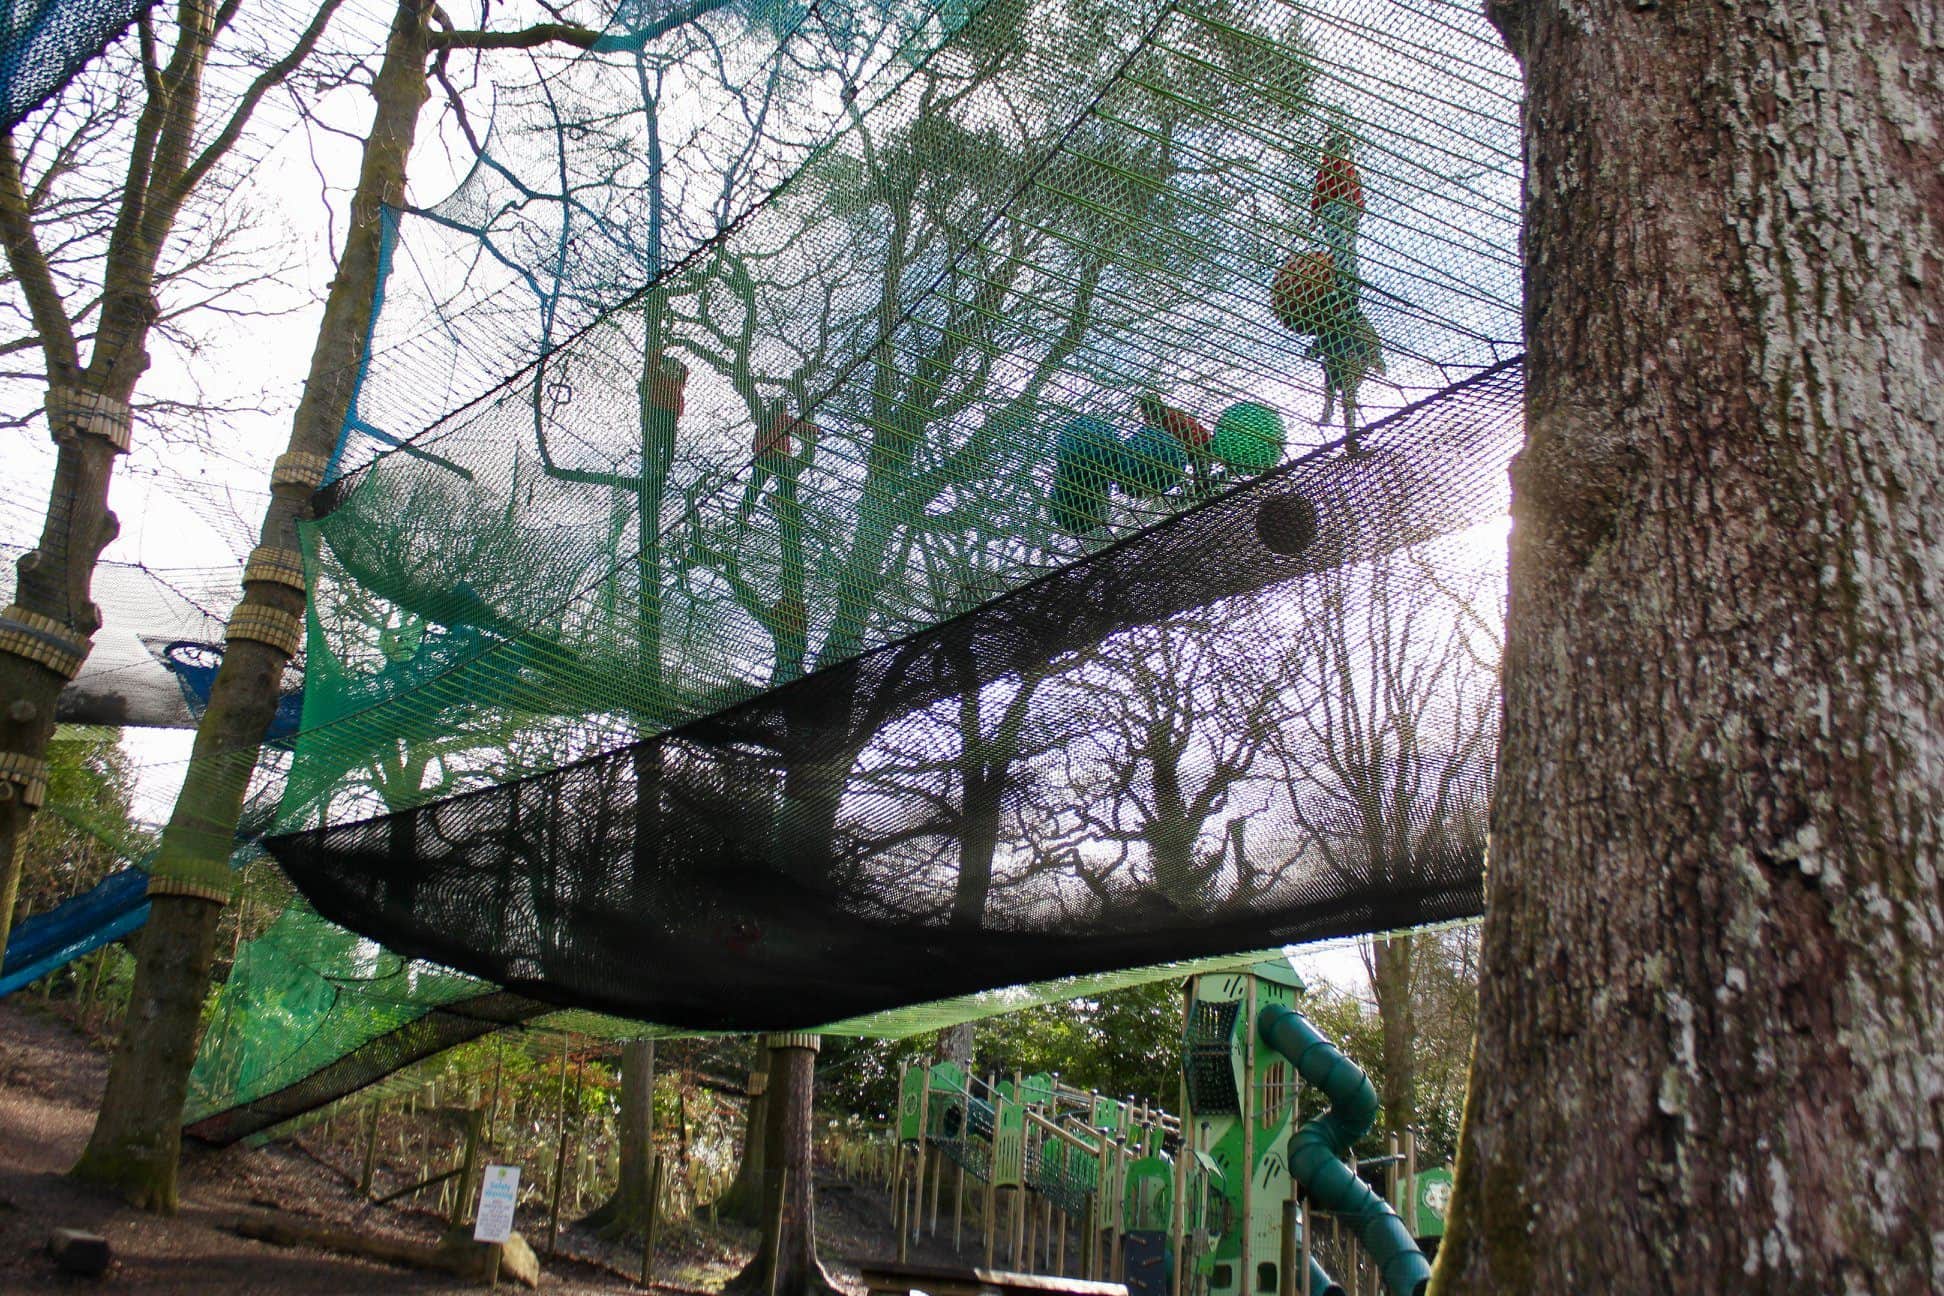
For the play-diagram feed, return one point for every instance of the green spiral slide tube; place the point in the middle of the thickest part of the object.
(1316, 1150)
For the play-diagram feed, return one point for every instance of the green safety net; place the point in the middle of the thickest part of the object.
(855, 506)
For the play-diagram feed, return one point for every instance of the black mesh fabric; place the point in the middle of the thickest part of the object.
(438, 1030)
(44, 42)
(1141, 757)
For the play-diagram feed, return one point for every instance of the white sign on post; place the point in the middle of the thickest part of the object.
(499, 1190)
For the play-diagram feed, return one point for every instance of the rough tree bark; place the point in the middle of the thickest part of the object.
(1389, 962)
(954, 1044)
(136, 1139)
(743, 1202)
(626, 1210)
(48, 630)
(135, 1144)
(1710, 1010)
(786, 1261)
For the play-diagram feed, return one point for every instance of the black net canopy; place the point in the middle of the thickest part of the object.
(916, 499)
(45, 42)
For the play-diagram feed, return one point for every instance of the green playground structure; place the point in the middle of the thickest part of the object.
(1236, 1197)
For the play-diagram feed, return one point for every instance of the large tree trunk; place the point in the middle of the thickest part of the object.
(626, 1210)
(1390, 979)
(786, 1262)
(1708, 1054)
(136, 1140)
(48, 630)
(954, 1044)
(743, 1203)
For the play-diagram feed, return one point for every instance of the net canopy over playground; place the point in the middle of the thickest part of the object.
(850, 505)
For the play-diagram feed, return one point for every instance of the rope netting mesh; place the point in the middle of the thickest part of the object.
(45, 42)
(891, 569)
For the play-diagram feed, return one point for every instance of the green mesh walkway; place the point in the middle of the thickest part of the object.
(863, 532)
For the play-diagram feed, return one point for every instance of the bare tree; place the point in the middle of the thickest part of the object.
(1179, 726)
(98, 270)
(136, 1140)
(1396, 666)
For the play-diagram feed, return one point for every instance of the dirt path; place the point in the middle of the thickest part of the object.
(50, 1083)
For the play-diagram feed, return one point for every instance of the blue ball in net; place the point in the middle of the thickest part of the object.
(1155, 463)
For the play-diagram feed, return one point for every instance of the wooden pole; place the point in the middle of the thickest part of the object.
(435, 1181)
(1019, 1227)
(1410, 1182)
(916, 1219)
(648, 1233)
(370, 1151)
(958, 1208)
(467, 1168)
(1030, 1218)
(900, 1207)
(1306, 1253)
(1287, 1287)
(94, 986)
(782, 1208)
(1178, 1215)
(1393, 1161)
(985, 1213)
(1245, 1277)
(938, 1174)
(560, 1151)
(1090, 1235)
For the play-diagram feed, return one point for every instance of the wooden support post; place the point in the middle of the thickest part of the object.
(1018, 1226)
(1287, 1287)
(1305, 1289)
(1090, 1235)
(424, 1164)
(1395, 1158)
(1178, 1208)
(898, 1209)
(782, 1209)
(1245, 1269)
(958, 1208)
(985, 1216)
(468, 1168)
(917, 1218)
(653, 1226)
(1201, 1231)
(560, 1151)
(370, 1163)
(1410, 1182)
(1029, 1217)
(938, 1174)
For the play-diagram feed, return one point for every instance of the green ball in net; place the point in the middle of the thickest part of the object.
(1249, 437)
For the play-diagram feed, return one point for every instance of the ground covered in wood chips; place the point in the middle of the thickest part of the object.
(51, 1077)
